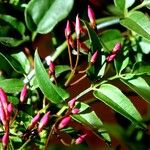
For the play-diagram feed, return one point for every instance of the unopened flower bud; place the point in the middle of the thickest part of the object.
(94, 57)
(3, 115)
(43, 121)
(110, 58)
(78, 26)
(64, 122)
(5, 140)
(23, 94)
(34, 121)
(71, 42)
(51, 68)
(3, 98)
(116, 48)
(91, 16)
(80, 139)
(10, 108)
(68, 29)
(75, 111)
(72, 102)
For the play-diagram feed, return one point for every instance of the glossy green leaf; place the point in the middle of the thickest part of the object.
(11, 85)
(18, 62)
(120, 4)
(89, 118)
(110, 38)
(114, 98)
(145, 45)
(54, 93)
(17, 25)
(129, 3)
(140, 86)
(42, 16)
(137, 22)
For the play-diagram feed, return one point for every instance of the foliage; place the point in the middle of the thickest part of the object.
(115, 53)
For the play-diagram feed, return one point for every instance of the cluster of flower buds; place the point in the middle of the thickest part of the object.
(114, 52)
(6, 110)
(43, 122)
(51, 70)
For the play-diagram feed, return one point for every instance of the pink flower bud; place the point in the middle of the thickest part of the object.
(80, 139)
(43, 121)
(75, 111)
(72, 102)
(51, 68)
(94, 57)
(10, 108)
(110, 58)
(91, 16)
(64, 122)
(3, 98)
(5, 139)
(78, 26)
(23, 94)
(84, 47)
(3, 115)
(34, 121)
(68, 29)
(116, 48)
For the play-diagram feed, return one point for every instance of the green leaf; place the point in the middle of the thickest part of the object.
(110, 38)
(145, 45)
(54, 93)
(147, 3)
(13, 99)
(89, 118)
(42, 16)
(120, 4)
(11, 85)
(141, 68)
(114, 98)
(18, 62)
(140, 86)
(137, 22)
(17, 25)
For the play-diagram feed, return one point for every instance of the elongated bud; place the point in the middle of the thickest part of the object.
(72, 102)
(75, 111)
(5, 140)
(94, 57)
(10, 108)
(78, 26)
(3, 115)
(51, 68)
(64, 122)
(67, 29)
(84, 47)
(116, 48)
(91, 16)
(34, 121)
(43, 121)
(3, 98)
(80, 139)
(23, 94)
(110, 58)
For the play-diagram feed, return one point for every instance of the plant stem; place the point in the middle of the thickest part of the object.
(70, 78)
(61, 110)
(141, 5)
(69, 53)
(77, 81)
(25, 144)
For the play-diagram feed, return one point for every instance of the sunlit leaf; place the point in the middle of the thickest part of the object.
(54, 93)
